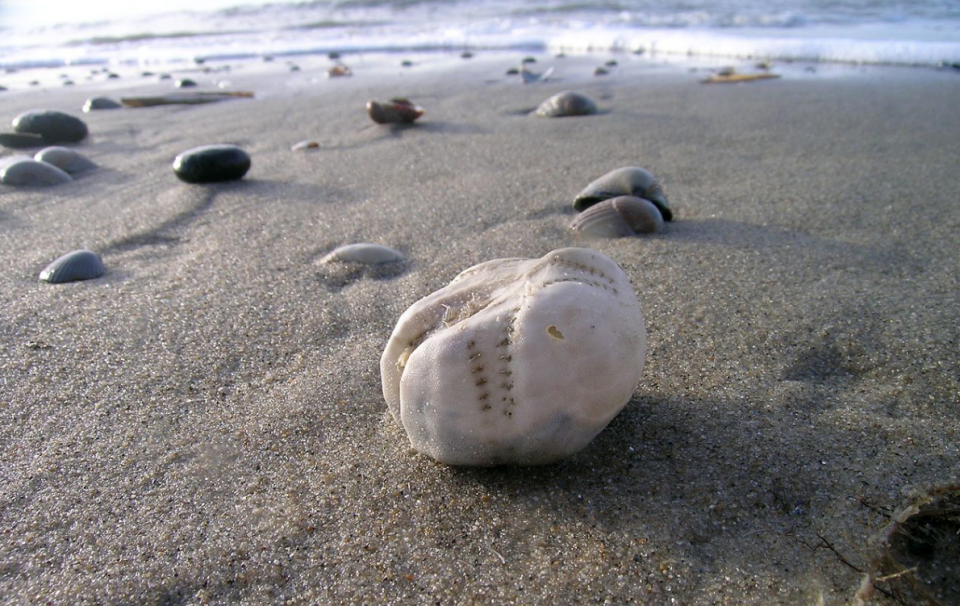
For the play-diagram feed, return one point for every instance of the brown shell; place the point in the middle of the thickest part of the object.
(395, 111)
(619, 217)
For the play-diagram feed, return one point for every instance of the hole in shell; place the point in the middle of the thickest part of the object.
(554, 332)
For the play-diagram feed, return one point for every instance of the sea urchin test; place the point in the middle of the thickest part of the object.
(516, 361)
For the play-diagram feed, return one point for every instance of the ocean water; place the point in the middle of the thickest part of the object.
(922, 33)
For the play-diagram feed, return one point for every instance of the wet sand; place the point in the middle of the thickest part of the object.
(205, 423)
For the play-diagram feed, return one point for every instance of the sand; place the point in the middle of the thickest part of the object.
(205, 423)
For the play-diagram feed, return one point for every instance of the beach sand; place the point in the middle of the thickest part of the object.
(205, 423)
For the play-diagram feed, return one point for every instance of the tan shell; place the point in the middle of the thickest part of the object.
(619, 217)
(395, 111)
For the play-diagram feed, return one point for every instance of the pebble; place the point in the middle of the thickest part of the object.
(185, 83)
(27, 171)
(211, 163)
(20, 140)
(54, 126)
(74, 266)
(95, 103)
(65, 159)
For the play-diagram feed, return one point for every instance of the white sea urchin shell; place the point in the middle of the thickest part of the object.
(516, 361)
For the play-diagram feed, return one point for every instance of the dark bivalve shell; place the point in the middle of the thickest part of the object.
(626, 181)
(566, 104)
(73, 266)
(619, 217)
(395, 111)
(211, 163)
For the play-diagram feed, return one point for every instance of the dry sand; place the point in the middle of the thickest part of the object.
(205, 423)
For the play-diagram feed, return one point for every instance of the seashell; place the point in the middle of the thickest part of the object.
(627, 181)
(516, 361)
(305, 145)
(211, 163)
(363, 252)
(619, 217)
(27, 171)
(338, 71)
(567, 103)
(96, 103)
(530, 77)
(396, 111)
(52, 125)
(74, 266)
(65, 159)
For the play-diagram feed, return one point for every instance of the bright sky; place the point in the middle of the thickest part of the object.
(47, 12)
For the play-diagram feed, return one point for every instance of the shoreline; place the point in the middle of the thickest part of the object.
(205, 423)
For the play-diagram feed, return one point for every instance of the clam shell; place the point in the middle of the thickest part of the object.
(73, 266)
(567, 103)
(516, 361)
(395, 111)
(619, 217)
(363, 252)
(626, 181)
(65, 159)
(27, 171)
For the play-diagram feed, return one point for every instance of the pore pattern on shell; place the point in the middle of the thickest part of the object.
(516, 361)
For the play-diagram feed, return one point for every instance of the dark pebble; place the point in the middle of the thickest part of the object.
(185, 83)
(333, 55)
(74, 266)
(164, 76)
(95, 103)
(211, 163)
(21, 140)
(53, 126)
(112, 76)
(526, 60)
(406, 63)
(466, 55)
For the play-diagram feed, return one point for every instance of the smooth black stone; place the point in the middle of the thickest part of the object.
(21, 140)
(211, 163)
(53, 126)
(185, 83)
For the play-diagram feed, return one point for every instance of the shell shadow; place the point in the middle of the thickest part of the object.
(399, 130)
(775, 240)
(338, 275)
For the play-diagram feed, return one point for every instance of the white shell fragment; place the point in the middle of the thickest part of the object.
(363, 252)
(516, 361)
(65, 159)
